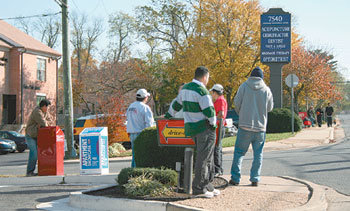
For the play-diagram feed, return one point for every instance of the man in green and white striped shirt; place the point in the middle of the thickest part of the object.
(200, 123)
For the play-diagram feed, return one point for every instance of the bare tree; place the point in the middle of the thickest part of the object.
(50, 29)
(84, 38)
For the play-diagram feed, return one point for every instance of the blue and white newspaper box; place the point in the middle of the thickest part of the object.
(93, 144)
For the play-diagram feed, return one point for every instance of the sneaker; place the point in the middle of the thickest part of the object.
(233, 183)
(216, 192)
(31, 174)
(205, 195)
(255, 184)
(218, 174)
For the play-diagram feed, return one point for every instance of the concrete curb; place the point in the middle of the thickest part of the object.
(80, 200)
(64, 179)
(317, 201)
(317, 196)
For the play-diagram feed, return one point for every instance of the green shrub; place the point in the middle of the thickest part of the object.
(149, 154)
(144, 185)
(280, 121)
(115, 150)
(165, 176)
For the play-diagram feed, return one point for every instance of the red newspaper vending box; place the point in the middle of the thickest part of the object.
(50, 151)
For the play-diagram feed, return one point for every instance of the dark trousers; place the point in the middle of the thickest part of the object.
(218, 155)
(319, 120)
(204, 168)
(329, 121)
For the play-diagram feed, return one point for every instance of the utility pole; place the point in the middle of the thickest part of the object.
(67, 81)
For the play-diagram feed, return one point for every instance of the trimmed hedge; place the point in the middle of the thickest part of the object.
(149, 154)
(280, 121)
(164, 176)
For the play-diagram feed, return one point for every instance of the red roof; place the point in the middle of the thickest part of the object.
(17, 36)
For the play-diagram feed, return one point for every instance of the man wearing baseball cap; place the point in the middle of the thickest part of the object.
(139, 116)
(220, 106)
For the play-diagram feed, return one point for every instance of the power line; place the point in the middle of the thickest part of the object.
(31, 16)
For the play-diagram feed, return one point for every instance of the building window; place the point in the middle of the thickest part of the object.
(39, 98)
(41, 69)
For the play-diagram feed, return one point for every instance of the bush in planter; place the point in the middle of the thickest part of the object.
(280, 120)
(145, 186)
(165, 176)
(115, 149)
(149, 154)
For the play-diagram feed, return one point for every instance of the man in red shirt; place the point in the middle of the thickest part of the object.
(220, 106)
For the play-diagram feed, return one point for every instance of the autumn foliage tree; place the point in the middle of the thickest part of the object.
(315, 77)
(114, 118)
(226, 40)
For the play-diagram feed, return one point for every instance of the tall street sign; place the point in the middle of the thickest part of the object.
(275, 47)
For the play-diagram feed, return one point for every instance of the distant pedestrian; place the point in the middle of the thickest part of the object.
(37, 119)
(252, 103)
(220, 106)
(311, 115)
(139, 116)
(319, 114)
(200, 124)
(329, 113)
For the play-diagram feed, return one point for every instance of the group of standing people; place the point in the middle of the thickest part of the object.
(252, 102)
(319, 114)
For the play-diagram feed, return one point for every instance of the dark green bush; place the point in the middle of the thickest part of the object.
(280, 121)
(164, 176)
(149, 154)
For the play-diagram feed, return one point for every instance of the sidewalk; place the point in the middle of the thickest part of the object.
(273, 193)
(307, 137)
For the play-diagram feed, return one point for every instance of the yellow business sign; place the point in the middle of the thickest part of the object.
(174, 132)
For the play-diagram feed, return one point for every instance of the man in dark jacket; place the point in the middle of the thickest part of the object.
(319, 114)
(329, 113)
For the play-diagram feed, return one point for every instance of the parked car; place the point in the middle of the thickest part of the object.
(7, 146)
(232, 114)
(230, 128)
(19, 139)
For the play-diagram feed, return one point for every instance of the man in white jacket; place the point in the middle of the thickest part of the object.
(139, 116)
(252, 103)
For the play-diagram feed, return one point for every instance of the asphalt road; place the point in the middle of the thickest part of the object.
(326, 165)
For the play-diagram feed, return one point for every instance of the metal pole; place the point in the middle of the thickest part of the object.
(68, 102)
(276, 83)
(188, 168)
(292, 108)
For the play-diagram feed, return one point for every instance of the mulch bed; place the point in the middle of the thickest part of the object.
(118, 192)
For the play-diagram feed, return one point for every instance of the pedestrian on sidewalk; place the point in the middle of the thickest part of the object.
(37, 119)
(220, 106)
(252, 103)
(200, 125)
(319, 114)
(139, 116)
(329, 113)
(311, 115)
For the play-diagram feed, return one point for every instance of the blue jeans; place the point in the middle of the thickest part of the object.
(33, 154)
(244, 138)
(133, 136)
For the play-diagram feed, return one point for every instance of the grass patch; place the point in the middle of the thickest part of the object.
(278, 136)
(230, 141)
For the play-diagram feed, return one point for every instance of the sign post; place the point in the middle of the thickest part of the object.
(292, 81)
(276, 47)
(171, 132)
